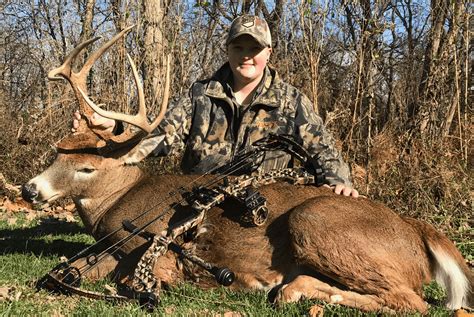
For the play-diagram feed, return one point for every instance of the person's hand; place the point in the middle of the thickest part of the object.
(97, 122)
(341, 189)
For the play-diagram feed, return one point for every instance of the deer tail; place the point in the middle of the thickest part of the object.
(448, 267)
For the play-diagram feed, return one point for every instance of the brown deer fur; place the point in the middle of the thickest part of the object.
(315, 244)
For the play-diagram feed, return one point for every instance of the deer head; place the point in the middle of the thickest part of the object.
(92, 166)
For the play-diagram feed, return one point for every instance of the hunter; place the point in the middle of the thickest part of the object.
(242, 102)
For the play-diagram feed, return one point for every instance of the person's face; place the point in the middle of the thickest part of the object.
(247, 58)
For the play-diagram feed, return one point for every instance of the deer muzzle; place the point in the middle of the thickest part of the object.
(29, 192)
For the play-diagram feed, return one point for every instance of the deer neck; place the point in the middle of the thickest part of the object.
(93, 206)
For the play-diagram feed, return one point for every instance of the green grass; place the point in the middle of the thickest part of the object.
(28, 250)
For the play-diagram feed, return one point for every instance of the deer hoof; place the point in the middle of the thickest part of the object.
(287, 294)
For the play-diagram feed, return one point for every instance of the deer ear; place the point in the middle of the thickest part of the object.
(142, 150)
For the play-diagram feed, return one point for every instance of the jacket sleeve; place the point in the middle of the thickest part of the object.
(314, 136)
(170, 136)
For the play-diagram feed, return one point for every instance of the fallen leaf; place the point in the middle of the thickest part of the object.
(4, 291)
(169, 310)
(14, 190)
(18, 295)
(9, 205)
(20, 202)
(231, 314)
(70, 207)
(12, 221)
(462, 313)
(110, 290)
(30, 216)
(316, 311)
(70, 218)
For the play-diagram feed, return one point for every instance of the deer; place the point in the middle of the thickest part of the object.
(314, 245)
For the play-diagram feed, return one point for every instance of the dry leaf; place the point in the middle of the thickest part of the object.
(316, 311)
(70, 207)
(110, 290)
(18, 295)
(4, 294)
(70, 218)
(14, 189)
(30, 216)
(462, 313)
(170, 310)
(12, 221)
(231, 314)
(20, 202)
(9, 205)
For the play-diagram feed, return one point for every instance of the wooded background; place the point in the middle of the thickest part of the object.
(391, 79)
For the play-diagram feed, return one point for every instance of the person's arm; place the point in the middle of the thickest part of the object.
(170, 136)
(318, 141)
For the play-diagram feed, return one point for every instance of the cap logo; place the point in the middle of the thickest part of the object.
(248, 21)
(251, 25)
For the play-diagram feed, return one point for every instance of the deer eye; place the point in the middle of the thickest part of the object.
(86, 170)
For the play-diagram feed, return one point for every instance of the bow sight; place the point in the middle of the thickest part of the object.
(66, 279)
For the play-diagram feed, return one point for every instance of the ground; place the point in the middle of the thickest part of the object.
(34, 240)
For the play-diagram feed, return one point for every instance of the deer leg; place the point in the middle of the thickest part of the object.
(405, 299)
(304, 286)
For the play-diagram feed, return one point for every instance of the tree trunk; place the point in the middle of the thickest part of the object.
(439, 87)
(453, 35)
(153, 49)
(87, 19)
(426, 109)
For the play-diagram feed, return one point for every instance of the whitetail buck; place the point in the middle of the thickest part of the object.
(315, 244)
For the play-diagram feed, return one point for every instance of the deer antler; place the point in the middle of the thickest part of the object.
(129, 137)
(140, 119)
(78, 79)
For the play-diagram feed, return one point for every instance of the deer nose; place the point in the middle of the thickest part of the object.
(29, 192)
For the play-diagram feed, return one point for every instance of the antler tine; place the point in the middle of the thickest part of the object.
(81, 76)
(140, 119)
(77, 80)
(93, 58)
(64, 71)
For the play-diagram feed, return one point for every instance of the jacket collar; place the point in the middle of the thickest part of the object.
(219, 86)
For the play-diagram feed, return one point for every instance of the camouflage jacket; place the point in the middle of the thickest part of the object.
(211, 127)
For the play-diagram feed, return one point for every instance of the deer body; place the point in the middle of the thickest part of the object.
(353, 251)
(315, 244)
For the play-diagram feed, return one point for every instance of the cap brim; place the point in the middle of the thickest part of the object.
(230, 39)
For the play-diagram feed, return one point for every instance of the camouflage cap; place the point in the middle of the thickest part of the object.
(253, 26)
